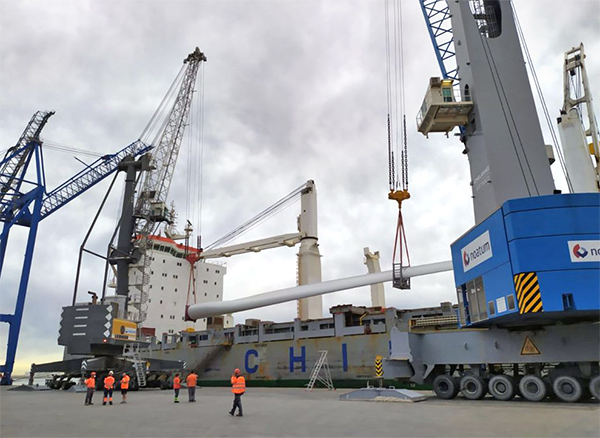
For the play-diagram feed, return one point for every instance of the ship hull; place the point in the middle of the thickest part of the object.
(348, 358)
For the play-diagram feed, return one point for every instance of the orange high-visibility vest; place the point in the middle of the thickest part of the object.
(90, 382)
(191, 380)
(238, 384)
(176, 383)
(125, 382)
(109, 382)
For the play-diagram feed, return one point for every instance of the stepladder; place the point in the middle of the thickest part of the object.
(321, 373)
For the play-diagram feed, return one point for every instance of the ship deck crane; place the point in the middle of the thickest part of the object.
(580, 144)
(24, 201)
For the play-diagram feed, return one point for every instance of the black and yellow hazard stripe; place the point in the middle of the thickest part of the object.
(528, 293)
(378, 367)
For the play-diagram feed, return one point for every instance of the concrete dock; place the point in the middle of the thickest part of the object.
(285, 412)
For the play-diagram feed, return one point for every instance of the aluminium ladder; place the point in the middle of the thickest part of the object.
(315, 374)
(139, 365)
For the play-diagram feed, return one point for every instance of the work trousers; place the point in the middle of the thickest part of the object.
(192, 393)
(237, 403)
(176, 393)
(108, 393)
(88, 396)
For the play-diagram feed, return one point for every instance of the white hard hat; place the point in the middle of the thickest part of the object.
(110, 373)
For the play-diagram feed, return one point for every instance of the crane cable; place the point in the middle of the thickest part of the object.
(194, 181)
(395, 87)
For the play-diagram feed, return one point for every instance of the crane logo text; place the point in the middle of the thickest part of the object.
(584, 250)
(477, 252)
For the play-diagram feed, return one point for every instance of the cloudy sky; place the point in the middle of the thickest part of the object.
(294, 90)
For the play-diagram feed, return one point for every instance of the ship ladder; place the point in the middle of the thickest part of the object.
(315, 374)
(139, 365)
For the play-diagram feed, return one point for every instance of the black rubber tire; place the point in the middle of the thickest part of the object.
(594, 387)
(568, 388)
(473, 387)
(445, 386)
(533, 388)
(133, 385)
(502, 387)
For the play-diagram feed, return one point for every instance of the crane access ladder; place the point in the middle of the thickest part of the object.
(315, 374)
(133, 352)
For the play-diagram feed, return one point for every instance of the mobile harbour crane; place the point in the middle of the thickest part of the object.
(527, 275)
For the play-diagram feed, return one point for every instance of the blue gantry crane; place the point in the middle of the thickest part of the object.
(24, 201)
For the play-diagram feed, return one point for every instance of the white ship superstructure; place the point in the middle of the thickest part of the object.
(171, 288)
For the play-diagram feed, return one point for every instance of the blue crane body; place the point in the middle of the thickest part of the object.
(26, 202)
(535, 261)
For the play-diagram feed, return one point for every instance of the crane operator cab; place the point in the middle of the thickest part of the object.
(443, 108)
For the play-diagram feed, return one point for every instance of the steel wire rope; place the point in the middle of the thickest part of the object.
(391, 166)
(201, 155)
(404, 154)
(558, 149)
(53, 145)
(396, 112)
(269, 212)
(495, 80)
(160, 109)
(257, 220)
(512, 118)
(395, 119)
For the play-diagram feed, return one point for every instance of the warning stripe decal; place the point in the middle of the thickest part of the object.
(528, 293)
(378, 368)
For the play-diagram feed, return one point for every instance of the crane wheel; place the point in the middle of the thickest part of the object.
(473, 387)
(595, 387)
(568, 388)
(533, 388)
(502, 387)
(446, 387)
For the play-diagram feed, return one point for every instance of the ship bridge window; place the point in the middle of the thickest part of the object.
(248, 332)
(271, 331)
(327, 326)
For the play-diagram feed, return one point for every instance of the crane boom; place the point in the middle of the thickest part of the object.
(580, 144)
(16, 161)
(157, 181)
(88, 177)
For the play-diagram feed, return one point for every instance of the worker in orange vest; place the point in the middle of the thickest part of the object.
(238, 387)
(124, 387)
(109, 383)
(191, 380)
(176, 387)
(90, 384)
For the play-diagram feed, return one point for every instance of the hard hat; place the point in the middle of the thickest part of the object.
(110, 373)
(93, 373)
(237, 370)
